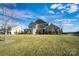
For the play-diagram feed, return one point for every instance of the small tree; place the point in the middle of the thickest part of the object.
(5, 20)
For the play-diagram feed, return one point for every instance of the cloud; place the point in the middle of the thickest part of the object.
(2, 20)
(62, 11)
(16, 14)
(11, 22)
(73, 8)
(42, 17)
(66, 19)
(75, 29)
(77, 16)
(69, 8)
(21, 14)
(58, 6)
(52, 17)
(66, 22)
(52, 12)
(54, 6)
(61, 7)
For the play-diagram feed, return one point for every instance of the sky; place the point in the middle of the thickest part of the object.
(64, 15)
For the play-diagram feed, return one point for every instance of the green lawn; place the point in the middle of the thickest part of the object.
(40, 45)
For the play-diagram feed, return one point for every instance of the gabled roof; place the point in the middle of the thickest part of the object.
(31, 25)
(57, 27)
(52, 26)
(39, 21)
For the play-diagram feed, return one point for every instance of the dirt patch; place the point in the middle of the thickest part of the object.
(6, 42)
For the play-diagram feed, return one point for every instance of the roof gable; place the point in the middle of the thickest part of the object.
(52, 26)
(39, 21)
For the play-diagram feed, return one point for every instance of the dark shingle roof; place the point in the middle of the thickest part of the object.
(53, 26)
(31, 25)
(38, 21)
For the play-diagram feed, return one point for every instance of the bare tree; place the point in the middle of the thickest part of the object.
(5, 20)
(5, 24)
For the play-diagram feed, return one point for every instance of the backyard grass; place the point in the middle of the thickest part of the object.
(40, 45)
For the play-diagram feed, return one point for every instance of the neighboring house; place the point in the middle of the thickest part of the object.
(42, 27)
(13, 30)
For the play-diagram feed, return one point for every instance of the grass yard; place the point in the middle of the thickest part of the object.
(40, 45)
